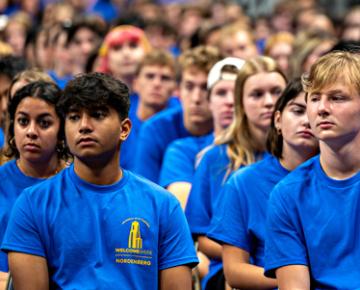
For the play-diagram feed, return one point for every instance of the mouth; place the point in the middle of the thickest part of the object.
(86, 141)
(31, 147)
(306, 134)
(267, 115)
(325, 125)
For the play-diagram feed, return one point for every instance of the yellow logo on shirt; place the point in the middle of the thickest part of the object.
(134, 253)
(135, 241)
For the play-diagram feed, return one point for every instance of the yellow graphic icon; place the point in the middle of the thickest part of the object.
(135, 241)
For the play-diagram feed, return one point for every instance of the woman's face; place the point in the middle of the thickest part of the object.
(36, 128)
(260, 94)
(294, 125)
(124, 58)
(222, 103)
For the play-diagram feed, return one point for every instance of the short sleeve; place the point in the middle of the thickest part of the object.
(148, 157)
(284, 244)
(198, 208)
(177, 166)
(22, 234)
(176, 245)
(229, 224)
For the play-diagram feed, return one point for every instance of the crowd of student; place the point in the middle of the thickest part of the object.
(139, 141)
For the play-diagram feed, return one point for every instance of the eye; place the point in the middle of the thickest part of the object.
(338, 98)
(23, 121)
(116, 47)
(220, 93)
(150, 76)
(314, 98)
(99, 114)
(189, 86)
(257, 94)
(73, 117)
(133, 44)
(44, 123)
(298, 111)
(276, 91)
(166, 78)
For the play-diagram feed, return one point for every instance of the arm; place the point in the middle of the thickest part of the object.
(210, 248)
(3, 279)
(240, 273)
(29, 272)
(177, 278)
(181, 191)
(293, 277)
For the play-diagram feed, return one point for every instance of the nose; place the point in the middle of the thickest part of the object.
(269, 100)
(32, 131)
(323, 107)
(198, 95)
(85, 124)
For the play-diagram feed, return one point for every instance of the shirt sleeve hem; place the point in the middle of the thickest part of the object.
(189, 261)
(270, 269)
(10, 248)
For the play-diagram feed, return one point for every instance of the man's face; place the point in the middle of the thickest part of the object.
(193, 95)
(83, 43)
(155, 84)
(95, 134)
(334, 113)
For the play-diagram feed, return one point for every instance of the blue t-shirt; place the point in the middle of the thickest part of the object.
(2, 138)
(180, 157)
(13, 182)
(314, 220)
(241, 211)
(154, 137)
(101, 237)
(129, 147)
(60, 81)
(209, 178)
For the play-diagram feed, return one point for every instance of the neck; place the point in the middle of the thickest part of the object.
(340, 162)
(198, 129)
(41, 169)
(144, 112)
(258, 135)
(293, 157)
(100, 171)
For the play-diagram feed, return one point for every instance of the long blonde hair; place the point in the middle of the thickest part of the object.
(242, 147)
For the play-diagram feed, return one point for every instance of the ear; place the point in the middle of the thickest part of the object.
(125, 129)
(277, 121)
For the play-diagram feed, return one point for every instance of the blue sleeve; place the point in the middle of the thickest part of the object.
(176, 244)
(284, 244)
(177, 166)
(22, 234)
(229, 224)
(198, 208)
(149, 154)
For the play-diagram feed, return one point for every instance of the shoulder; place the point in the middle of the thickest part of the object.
(167, 117)
(145, 188)
(7, 167)
(297, 182)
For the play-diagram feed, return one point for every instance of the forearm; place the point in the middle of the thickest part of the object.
(247, 276)
(3, 280)
(210, 248)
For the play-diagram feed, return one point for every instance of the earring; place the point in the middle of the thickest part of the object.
(278, 131)
(12, 142)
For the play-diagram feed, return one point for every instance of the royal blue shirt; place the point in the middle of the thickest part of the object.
(104, 237)
(13, 182)
(180, 157)
(241, 211)
(154, 137)
(314, 220)
(129, 147)
(2, 138)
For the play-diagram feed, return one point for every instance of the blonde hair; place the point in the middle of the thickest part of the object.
(201, 57)
(241, 144)
(5, 49)
(332, 67)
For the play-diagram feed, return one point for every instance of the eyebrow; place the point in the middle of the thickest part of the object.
(42, 115)
(292, 103)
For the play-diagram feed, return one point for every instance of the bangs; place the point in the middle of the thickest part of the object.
(120, 37)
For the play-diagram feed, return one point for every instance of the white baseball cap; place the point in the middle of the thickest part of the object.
(216, 73)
